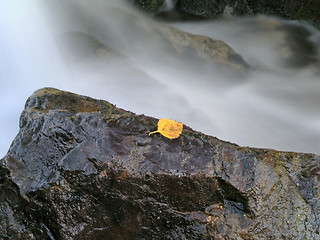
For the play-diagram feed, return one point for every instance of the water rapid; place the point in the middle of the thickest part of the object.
(276, 105)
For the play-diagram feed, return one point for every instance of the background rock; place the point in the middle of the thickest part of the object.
(201, 9)
(307, 10)
(149, 7)
(81, 168)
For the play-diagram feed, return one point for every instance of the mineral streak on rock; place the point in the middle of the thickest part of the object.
(82, 168)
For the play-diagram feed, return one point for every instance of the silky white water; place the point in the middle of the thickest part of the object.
(274, 106)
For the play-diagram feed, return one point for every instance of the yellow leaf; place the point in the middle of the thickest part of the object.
(169, 128)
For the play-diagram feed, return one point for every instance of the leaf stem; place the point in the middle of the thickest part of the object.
(153, 132)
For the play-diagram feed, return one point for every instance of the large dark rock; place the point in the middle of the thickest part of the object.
(307, 10)
(204, 9)
(81, 168)
(150, 7)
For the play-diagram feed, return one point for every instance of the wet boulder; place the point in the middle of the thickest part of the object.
(81, 168)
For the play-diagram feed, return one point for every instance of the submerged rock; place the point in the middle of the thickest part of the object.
(79, 47)
(199, 47)
(200, 51)
(296, 44)
(82, 168)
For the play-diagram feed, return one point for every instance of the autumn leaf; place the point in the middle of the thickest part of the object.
(169, 128)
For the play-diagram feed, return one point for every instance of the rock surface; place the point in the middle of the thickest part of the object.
(81, 168)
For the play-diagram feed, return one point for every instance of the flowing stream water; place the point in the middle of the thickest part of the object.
(276, 105)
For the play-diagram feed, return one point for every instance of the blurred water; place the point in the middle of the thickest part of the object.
(275, 106)
(28, 61)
